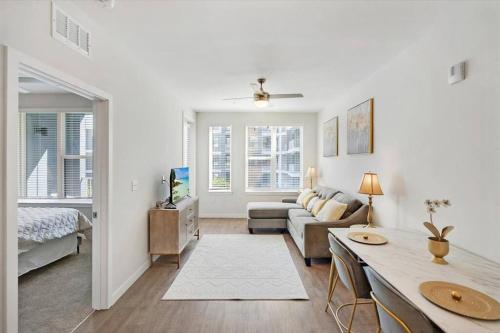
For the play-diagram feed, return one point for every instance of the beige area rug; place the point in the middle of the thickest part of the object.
(57, 297)
(244, 267)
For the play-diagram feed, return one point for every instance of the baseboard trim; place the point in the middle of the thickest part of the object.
(129, 282)
(223, 216)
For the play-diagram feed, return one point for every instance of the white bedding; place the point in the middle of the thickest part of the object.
(43, 224)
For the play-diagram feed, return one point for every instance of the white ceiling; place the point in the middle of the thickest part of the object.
(30, 85)
(210, 50)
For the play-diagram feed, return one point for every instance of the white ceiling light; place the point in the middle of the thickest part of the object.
(261, 103)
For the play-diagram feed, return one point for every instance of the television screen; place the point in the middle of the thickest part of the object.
(180, 186)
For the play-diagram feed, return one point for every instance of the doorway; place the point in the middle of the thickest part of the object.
(79, 174)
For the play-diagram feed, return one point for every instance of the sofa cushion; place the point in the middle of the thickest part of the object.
(293, 213)
(332, 211)
(298, 223)
(269, 210)
(325, 192)
(353, 204)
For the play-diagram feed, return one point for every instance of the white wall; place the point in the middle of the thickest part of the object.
(146, 123)
(233, 204)
(432, 139)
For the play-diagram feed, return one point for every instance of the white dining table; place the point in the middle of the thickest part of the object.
(405, 263)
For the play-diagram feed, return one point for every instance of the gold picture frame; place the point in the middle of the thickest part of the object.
(360, 128)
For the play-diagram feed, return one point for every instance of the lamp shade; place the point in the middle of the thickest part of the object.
(311, 172)
(370, 184)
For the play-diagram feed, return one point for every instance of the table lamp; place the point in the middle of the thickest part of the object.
(371, 186)
(311, 173)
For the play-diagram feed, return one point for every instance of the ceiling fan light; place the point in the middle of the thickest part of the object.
(261, 103)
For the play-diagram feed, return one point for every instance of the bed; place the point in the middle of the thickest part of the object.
(47, 234)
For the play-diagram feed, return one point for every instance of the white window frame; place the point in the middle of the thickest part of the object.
(61, 149)
(273, 188)
(210, 160)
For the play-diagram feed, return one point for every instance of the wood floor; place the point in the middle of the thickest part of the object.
(141, 310)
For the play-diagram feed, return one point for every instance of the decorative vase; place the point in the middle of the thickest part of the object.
(439, 249)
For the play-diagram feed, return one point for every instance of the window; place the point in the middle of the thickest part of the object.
(55, 155)
(219, 158)
(274, 158)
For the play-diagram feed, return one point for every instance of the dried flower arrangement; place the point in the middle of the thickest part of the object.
(432, 205)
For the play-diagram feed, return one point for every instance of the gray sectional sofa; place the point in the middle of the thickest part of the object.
(310, 235)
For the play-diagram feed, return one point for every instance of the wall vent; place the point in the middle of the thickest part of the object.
(69, 31)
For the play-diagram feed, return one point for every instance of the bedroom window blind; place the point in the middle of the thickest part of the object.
(274, 158)
(55, 154)
(219, 158)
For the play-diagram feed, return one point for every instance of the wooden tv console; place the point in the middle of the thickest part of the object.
(170, 230)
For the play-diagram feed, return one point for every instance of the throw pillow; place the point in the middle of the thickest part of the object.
(331, 211)
(302, 195)
(311, 203)
(307, 198)
(317, 206)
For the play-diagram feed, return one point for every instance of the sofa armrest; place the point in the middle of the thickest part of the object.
(289, 200)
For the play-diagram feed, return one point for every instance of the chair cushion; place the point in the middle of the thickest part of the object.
(293, 213)
(353, 204)
(269, 210)
(325, 192)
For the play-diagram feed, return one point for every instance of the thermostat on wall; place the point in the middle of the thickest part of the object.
(456, 73)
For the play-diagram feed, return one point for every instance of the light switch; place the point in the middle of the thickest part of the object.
(135, 185)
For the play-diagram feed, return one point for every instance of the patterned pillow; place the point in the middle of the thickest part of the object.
(317, 206)
(311, 203)
(302, 195)
(307, 198)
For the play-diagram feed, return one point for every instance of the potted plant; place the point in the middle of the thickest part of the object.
(438, 245)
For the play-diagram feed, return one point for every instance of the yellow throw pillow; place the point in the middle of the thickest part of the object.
(331, 211)
(307, 198)
(317, 206)
(302, 194)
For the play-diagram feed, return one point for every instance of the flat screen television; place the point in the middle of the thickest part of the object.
(179, 183)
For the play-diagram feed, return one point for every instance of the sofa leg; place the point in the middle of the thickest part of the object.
(307, 261)
(250, 230)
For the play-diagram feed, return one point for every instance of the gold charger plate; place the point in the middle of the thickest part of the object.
(460, 299)
(369, 238)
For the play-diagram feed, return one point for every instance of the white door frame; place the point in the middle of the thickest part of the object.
(11, 62)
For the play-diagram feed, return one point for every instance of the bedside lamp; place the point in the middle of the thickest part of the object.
(371, 186)
(311, 173)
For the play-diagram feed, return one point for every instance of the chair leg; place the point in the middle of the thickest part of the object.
(352, 316)
(332, 282)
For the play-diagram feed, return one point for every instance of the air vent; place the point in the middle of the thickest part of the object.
(69, 31)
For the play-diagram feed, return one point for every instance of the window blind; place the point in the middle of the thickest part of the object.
(274, 158)
(77, 159)
(55, 155)
(219, 158)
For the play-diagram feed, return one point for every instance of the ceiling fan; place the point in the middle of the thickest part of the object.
(261, 98)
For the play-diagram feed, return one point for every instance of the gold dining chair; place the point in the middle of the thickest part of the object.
(346, 268)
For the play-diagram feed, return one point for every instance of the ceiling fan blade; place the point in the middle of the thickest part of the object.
(286, 96)
(236, 98)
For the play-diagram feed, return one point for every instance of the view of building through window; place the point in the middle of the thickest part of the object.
(274, 158)
(220, 158)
